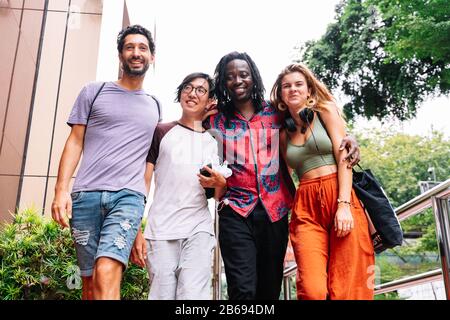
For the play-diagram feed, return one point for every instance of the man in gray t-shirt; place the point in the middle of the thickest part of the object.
(112, 126)
(117, 138)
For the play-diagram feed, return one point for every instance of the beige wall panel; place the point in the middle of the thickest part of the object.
(87, 6)
(9, 21)
(51, 194)
(32, 195)
(62, 5)
(11, 155)
(8, 195)
(34, 4)
(46, 94)
(80, 60)
(15, 4)
(21, 90)
(30, 35)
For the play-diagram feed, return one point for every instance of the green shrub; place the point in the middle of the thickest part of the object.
(37, 261)
(388, 296)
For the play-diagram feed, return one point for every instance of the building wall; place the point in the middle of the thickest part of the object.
(49, 51)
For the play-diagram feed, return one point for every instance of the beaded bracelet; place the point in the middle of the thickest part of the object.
(343, 201)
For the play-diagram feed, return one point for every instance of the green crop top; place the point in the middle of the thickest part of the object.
(305, 157)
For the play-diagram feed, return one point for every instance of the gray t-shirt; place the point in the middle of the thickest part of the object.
(117, 139)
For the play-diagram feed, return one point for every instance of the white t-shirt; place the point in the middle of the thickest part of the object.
(179, 208)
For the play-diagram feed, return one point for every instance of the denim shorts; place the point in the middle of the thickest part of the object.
(105, 224)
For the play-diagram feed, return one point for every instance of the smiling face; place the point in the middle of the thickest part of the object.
(239, 81)
(194, 97)
(136, 56)
(294, 90)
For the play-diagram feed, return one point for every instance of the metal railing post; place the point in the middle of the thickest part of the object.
(217, 268)
(287, 288)
(442, 216)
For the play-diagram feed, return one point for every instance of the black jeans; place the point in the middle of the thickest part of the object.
(253, 251)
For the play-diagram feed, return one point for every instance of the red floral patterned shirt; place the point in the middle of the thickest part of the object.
(251, 147)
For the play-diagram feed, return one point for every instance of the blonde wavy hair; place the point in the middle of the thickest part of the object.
(320, 98)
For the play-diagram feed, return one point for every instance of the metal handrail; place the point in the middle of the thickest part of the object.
(290, 271)
(422, 201)
(414, 206)
(411, 281)
(408, 209)
(217, 265)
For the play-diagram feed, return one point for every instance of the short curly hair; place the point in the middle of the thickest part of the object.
(135, 29)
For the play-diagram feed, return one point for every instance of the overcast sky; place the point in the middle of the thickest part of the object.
(193, 35)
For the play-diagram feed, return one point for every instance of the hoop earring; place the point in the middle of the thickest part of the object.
(281, 107)
(310, 102)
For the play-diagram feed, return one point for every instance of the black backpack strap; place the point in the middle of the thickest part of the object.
(92, 103)
(159, 108)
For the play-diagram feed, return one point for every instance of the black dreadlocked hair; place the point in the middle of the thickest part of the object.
(225, 105)
(135, 29)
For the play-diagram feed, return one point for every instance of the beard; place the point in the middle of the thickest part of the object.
(135, 72)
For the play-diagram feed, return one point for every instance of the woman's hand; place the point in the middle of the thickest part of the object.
(215, 180)
(343, 220)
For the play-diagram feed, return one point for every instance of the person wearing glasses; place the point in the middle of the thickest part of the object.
(328, 228)
(179, 234)
(253, 220)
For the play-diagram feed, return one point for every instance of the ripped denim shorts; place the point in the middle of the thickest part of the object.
(105, 224)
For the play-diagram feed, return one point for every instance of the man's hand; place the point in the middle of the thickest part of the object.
(349, 142)
(139, 251)
(210, 109)
(62, 208)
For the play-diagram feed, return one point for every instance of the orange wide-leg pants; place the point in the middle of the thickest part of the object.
(330, 267)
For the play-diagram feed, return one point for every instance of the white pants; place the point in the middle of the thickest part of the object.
(181, 269)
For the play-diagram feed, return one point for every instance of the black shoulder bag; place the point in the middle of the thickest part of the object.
(386, 231)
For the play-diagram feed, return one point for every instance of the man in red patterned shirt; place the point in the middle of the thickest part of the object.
(253, 221)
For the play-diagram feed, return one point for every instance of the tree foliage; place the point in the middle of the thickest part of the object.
(374, 56)
(400, 161)
(417, 28)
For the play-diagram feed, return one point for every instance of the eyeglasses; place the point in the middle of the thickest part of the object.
(200, 91)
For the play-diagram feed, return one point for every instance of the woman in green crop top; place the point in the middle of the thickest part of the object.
(328, 228)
